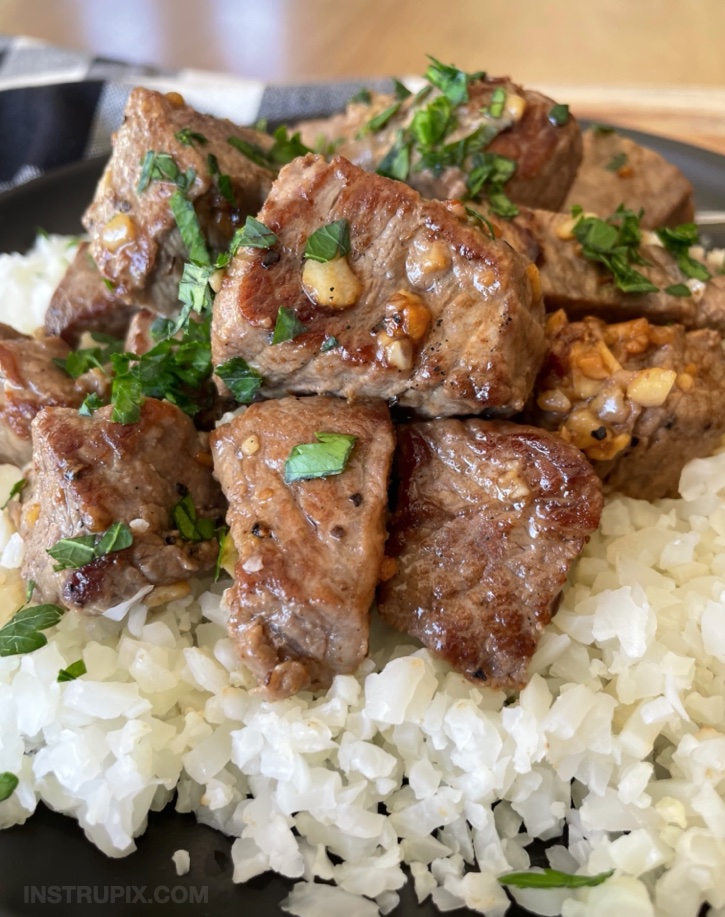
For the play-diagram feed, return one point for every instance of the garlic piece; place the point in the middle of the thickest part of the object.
(332, 284)
(650, 387)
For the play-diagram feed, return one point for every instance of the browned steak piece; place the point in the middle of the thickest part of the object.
(547, 155)
(309, 551)
(570, 282)
(427, 309)
(29, 381)
(488, 519)
(640, 400)
(83, 302)
(138, 337)
(615, 170)
(134, 239)
(90, 473)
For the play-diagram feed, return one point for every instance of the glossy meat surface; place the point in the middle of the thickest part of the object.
(465, 306)
(309, 551)
(487, 521)
(89, 473)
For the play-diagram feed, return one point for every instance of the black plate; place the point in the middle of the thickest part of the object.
(50, 850)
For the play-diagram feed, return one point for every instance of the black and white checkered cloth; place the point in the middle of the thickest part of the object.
(59, 106)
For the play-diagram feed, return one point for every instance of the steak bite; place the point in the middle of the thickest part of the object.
(547, 154)
(487, 521)
(90, 474)
(581, 287)
(639, 400)
(84, 301)
(426, 309)
(30, 379)
(310, 550)
(164, 147)
(615, 170)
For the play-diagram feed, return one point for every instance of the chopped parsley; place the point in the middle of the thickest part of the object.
(162, 167)
(328, 456)
(401, 90)
(559, 114)
(241, 380)
(362, 96)
(678, 240)
(74, 670)
(617, 162)
(81, 550)
(678, 289)
(379, 121)
(498, 103)
(489, 173)
(287, 326)
(480, 221)
(552, 878)
(451, 81)
(286, 148)
(191, 526)
(396, 162)
(81, 361)
(22, 633)
(252, 235)
(90, 405)
(8, 784)
(15, 491)
(430, 125)
(614, 243)
(223, 182)
(330, 343)
(601, 128)
(253, 152)
(187, 137)
(328, 242)
(225, 553)
(188, 224)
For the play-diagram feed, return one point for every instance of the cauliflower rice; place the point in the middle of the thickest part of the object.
(619, 738)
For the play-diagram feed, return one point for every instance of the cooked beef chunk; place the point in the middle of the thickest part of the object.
(488, 519)
(138, 337)
(309, 551)
(547, 155)
(83, 301)
(426, 309)
(615, 170)
(134, 239)
(570, 282)
(640, 400)
(30, 380)
(90, 473)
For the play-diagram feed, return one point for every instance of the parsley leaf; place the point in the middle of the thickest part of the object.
(396, 162)
(22, 632)
(328, 456)
(163, 167)
(81, 361)
(329, 343)
(552, 878)
(90, 405)
(328, 242)
(17, 488)
(401, 90)
(241, 380)
(253, 152)
(74, 670)
(618, 161)
(479, 220)
(286, 148)
(678, 240)
(498, 102)
(678, 289)
(81, 550)
(226, 552)
(614, 243)
(8, 784)
(252, 235)
(451, 81)
(559, 115)
(188, 223)
(601, 128)
(287, 326)
(379, 121)
(223, 182)
(191, 526)
(363, 96)
(187, 136)
(430, 125)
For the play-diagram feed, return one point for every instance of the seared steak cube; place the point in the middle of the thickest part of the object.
(615, 170)
(134, 238)
(84, 301)
(89, 474)
(426, 309)
(640, 400)
(488, 519)
(30, 380)
(581, 287)
(547, 154)
(309, 550)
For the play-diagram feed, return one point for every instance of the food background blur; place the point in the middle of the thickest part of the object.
(656, 65)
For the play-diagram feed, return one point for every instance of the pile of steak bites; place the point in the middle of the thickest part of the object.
(399, 370)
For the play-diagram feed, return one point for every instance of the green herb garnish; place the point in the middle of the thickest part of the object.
(90, 405)
(188, 224)
(328, 456)
(22, 634)
(81, 361)
(552, 878)
(187, 136)
(559, 114)
(191, 526)
(617, 162)
(252, 235)
(328, 242)
(287, 326)
(8, 785)
(451, 81)
(253, 152)
(615, 243)
(241, 380)
(72, 553)
(678, 240)
(223, 537)
(401, 91)
(17, 488)
(363, 96)
(330, 343)
(286, 148)
(379, 121)
(163, 167)
(479, 220)
(498, 103)
(223, 182)
(430, 125)
(396, 162)
(601, 128)
(74, 670)
(678, 289)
